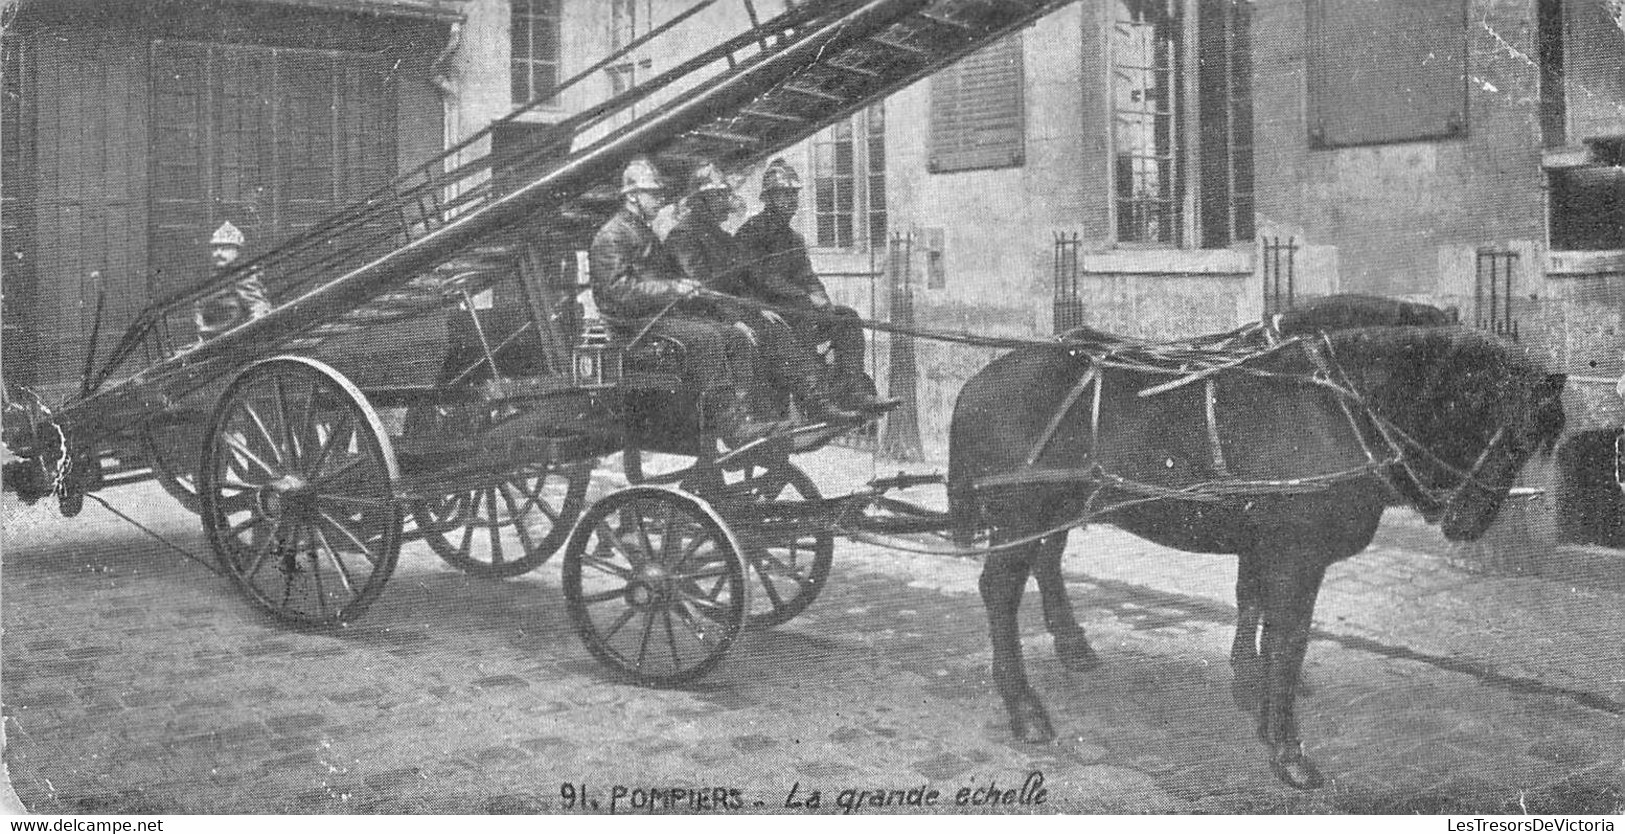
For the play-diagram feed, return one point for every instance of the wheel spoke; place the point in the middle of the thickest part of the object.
(282, 418)
(671, 640)
(643, 644)
(689, 551)
(467, 545)
(247, 407)
(608, 537)
(603, 596)
(607, 567)
(696, 627)
(495, 528)
(345, 578)
(344, 428)
(316, 575)
(620, 623)
(239, 446)
(343, 528)
(772, 591)
(521, 525)
(353, 500)
(706, 572)
(265, 547)
(643, 532)
(235, 529)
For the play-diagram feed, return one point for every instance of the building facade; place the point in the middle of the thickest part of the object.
(1157, 168)
(131, 130)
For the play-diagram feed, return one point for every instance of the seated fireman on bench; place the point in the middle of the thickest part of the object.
(707, 255)
(775, 269)
(637, 284)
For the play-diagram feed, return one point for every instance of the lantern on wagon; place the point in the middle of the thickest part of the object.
(597, 361)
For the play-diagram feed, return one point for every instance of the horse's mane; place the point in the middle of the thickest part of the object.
(1330, 313)
(1352, 311)
(1453, 383)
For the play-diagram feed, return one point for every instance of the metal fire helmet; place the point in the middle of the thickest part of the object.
(641, 175)
(597, 361)
(780, 176)
(708, 177)
(227, 235)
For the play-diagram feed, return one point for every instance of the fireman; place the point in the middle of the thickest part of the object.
(708, 256)
(639, 288)
(230, 306)
(776, 270)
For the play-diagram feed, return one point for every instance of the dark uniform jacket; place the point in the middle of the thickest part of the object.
(706, 253)
(633, 275)
(774, 263)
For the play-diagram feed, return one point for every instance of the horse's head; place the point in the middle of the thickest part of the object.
(1475, 409)
(1530, 418)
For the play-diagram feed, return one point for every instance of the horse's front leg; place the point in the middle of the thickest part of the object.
(1246, 666)
(1290, 589)
(1071, 645)
(1004, 576)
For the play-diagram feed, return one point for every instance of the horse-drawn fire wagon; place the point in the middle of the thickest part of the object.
(308, 482)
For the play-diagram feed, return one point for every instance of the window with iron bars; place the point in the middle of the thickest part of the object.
(849, 183)
(1159, 141)
(535, 49)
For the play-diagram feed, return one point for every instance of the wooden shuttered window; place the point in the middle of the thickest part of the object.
(1383, 71)
(977, 111)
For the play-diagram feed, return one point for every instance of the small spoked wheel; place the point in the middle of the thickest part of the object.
(655, 584)
(297, 486)
(789, 562)
(508, 528)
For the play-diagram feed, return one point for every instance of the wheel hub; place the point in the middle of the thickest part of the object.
(287, 496)
(652, 586)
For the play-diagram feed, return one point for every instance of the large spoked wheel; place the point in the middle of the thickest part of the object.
(297, 485)
(789, 563)
(655, 584)
(510, 527)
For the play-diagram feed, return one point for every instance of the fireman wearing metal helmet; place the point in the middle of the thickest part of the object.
(640, 289)
(776, 269)
(231, 306)
(708, 256)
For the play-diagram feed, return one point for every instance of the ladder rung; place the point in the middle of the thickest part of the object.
(769, 114)
(869, 73)
(731, 138)
(814, 92)
(898, 45)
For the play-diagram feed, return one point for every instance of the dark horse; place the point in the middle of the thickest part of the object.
(1033, 447)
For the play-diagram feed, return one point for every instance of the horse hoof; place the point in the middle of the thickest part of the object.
(1298, 772)
(1029, 723)
(1075, 653)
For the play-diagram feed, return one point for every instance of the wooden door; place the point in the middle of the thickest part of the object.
(272, 139)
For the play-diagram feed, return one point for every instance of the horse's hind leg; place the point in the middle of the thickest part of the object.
(1071, 646)
(1004, 576)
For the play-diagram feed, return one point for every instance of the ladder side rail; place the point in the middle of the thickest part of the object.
(375, 207)
(594, 163)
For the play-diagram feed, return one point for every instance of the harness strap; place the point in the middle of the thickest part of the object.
(1090, 377)
(1210, 397)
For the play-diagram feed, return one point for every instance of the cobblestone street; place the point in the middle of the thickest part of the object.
(136, 680)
